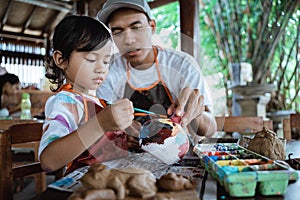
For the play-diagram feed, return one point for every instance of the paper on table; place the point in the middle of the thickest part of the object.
(142, 160)
(70, 182)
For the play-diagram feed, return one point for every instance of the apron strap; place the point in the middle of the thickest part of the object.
(69, 88)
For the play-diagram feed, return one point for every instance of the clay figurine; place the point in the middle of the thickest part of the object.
(266, 143)
(125, 181)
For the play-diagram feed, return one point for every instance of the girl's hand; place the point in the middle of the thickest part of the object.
(133, 135)
(134, 129)
(117, 116)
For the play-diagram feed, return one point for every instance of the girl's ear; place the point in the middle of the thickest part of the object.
(153, 26)
(59, 60)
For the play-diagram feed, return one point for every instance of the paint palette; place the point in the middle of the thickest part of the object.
(242, 172)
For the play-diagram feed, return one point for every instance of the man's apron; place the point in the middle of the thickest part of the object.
(156, 97)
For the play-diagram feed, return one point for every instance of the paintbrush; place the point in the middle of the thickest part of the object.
(145, 111)
(149, 113)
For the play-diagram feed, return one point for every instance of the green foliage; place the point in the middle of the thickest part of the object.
(264, 33)
(168, 19)
(285, 69)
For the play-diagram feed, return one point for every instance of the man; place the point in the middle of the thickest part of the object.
(161, 80)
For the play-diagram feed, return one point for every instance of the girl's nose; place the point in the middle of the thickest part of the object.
(100, 68)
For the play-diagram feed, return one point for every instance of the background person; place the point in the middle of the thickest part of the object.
(9, 86)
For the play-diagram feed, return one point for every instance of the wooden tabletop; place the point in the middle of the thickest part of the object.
(211, 190)
(51, 194)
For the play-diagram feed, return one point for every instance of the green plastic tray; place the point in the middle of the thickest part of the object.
(242, 176)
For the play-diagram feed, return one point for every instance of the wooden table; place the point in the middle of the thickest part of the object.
(210, 193)
(51, 194)
(211, 190)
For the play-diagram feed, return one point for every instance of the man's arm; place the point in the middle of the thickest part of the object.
(205, 124)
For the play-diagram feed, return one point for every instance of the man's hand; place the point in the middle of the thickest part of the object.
(189, 105)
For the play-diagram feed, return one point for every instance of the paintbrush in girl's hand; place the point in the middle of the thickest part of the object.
(149, 113)
(145, 111)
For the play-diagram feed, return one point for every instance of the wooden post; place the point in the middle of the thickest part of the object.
(287, 132)
(190, 27)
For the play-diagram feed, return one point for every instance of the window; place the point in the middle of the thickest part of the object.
(25, 59)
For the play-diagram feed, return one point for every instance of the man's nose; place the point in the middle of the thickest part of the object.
(129, 37)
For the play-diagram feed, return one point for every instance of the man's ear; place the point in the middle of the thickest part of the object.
(153, 25)
(58, 59)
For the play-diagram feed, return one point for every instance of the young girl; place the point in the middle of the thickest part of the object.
(76, 134)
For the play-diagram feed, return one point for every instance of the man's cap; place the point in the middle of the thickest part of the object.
(112, 5)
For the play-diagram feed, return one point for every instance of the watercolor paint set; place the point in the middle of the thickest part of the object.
(243, 172)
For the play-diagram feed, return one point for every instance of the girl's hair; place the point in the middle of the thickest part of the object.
(10, 78)
(74, 33)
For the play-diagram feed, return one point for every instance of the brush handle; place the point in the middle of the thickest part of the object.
(144, 111)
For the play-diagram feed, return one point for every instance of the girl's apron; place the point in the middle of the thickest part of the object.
(111, 145)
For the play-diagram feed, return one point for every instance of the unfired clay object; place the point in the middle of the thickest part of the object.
(85, 194)
(174, 182)
(126, 181)
(266, 143)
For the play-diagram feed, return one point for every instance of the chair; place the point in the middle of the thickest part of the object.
(6, 123)
(39, 178)
(19, 134)
(293, 122)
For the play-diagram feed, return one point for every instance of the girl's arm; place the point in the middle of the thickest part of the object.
(63, 150)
